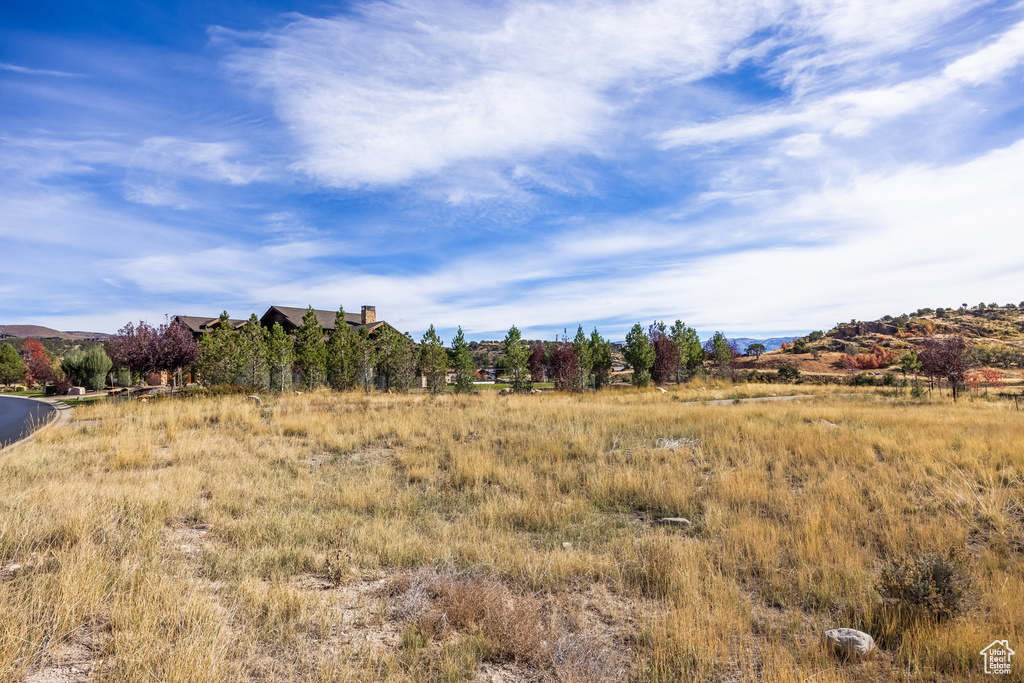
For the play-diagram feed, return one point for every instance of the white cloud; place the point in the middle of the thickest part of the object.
(851, 113)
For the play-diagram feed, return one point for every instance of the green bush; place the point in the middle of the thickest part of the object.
(788, 373)
(931, 586)
(800, 346)
(862, 379)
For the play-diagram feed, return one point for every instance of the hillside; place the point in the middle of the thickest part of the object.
(41, 332)
(995, 335)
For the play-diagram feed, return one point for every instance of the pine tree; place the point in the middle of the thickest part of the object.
(601, 355)
(339, 349)
(395, 358)
(253, 352)
(220, 360)
(433, 360)
(12, 367)
(691, 354)
(462, 361)
(584, 360)
(516, 355)
(280, 355)
(311, 350)
(364, 358)
(639, 354)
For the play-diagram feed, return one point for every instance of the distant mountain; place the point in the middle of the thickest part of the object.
(40, 332)
(772, 344)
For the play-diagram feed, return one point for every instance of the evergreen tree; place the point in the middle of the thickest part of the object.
(12, 367)
(311, 350)
(601, 355)
(584, 360)
(87, 368)
(720, 351)
(280, 355)
(691, 353)
(516, 355)
(364, 358)
(340, 373)
(396, 359)
(639, 354)
(252, 344)
(433, 360)
(220, 360)
(462, 361)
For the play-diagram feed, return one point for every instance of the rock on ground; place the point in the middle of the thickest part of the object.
(850, 643)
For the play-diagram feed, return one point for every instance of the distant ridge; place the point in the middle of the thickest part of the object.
(41, 332)
(771, 344)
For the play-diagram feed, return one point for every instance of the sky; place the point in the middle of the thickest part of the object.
(761, 167)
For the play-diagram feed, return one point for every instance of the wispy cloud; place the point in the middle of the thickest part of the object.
(36, 72)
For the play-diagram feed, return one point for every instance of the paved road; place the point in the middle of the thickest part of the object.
(20, 416)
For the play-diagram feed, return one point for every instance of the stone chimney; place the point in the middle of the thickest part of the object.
(369, 315)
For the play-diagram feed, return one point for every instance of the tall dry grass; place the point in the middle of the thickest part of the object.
(215, 540)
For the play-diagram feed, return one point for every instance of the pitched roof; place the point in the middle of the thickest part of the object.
(198, 323)
(325, 318)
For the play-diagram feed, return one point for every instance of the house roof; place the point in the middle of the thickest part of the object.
(325, 318)
(198, 323)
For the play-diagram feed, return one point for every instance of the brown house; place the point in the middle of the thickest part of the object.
(200, 324)
(290, 319)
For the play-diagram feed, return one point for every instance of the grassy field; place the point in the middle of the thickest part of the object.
(350, 537)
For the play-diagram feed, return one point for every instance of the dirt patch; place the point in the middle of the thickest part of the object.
(73, 661)
(569, 636)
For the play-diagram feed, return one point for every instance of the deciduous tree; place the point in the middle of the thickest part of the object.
(946, 359)
(563, 366)
(176, 349)
(38, 362)
(536, 361)
(755, 350)
(666, 353)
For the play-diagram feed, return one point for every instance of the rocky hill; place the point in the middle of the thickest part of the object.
(995, 336)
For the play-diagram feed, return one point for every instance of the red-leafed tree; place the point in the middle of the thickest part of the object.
(562, 366)
(536, 362)
(37, 362)
(132, 348)
(173, 348)
(993, 378)
(945, 359)
(666, 353)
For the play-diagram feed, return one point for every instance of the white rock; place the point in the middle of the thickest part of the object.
(675, 521)
(255, 399)
(850, 643)
(661, 390)
(566, 544)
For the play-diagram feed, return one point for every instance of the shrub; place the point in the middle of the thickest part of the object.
(800, 346)
(788, 373)
(862, 379)
(932, 586)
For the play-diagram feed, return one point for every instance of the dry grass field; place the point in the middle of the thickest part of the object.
(350, 537)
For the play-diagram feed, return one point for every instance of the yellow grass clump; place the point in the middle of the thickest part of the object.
(351, 537)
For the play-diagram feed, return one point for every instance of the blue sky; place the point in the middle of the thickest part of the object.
(755, 167)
